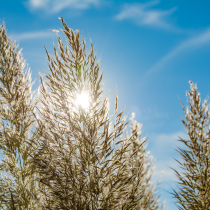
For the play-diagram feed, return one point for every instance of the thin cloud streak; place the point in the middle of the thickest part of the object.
(143, 14)
(55, 6)
(32, 35)
(197, 41)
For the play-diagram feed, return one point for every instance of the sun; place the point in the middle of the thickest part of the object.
(83, 100)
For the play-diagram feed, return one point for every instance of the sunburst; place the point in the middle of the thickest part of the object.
(83, 100)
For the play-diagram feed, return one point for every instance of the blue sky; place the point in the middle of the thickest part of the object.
(149, 50)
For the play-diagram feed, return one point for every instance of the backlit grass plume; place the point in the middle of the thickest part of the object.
(82, 158)
(17, 187)
(194, 179)
(142, 168)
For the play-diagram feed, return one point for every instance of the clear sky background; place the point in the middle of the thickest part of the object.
(149, 50)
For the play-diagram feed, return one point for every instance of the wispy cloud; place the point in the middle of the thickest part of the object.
(163, 149)
(190, 43)
(145, 14)
(165, 144)
(31, 35)
(55, 6)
